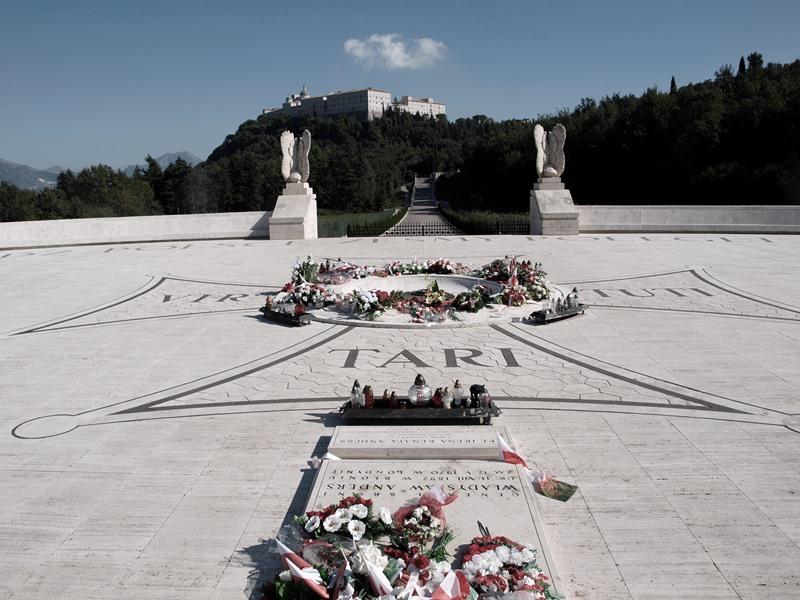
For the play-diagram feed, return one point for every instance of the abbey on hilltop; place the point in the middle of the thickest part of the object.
(367, 103)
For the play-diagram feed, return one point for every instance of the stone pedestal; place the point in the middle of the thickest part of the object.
(295, 214)
(552, 209)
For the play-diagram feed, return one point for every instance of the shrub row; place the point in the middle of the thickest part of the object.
(484, 222)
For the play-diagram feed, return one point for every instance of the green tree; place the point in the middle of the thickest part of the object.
(173, 192)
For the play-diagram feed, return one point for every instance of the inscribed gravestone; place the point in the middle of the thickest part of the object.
(495, 493)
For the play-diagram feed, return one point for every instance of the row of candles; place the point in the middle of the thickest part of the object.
(420, 394)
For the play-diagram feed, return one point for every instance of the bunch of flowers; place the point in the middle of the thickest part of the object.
(412, 268)
(434, 296)
(422, 525)
(348, 548)
(514, 295)
(443, 266)
(350, 516)
(497, 270)
(420, 313)
(305, 271)
(307, 294)
(367, 304)
(534, 279)
(539, 289)
(338, 271)
(440, 266)
(498, 565)
(472, 300)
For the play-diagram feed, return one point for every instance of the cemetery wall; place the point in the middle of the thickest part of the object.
(66, 232)
(689, 219)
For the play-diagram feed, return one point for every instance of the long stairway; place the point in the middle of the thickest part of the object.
(423, 216)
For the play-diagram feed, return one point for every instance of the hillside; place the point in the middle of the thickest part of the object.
(27, 178)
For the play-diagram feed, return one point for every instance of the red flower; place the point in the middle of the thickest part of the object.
(487, 581)
(422, 562)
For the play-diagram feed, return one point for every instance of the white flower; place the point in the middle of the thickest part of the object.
(516, 557)
(356, 529)
(312, 524)
(332, 523)
(385, 515)
(486, 563)
(435, 523)
(411, 521)
(418, 512)
(503, 553)
(368, 554)
(528, 555)
(285, 576)
(359, 511)
(438, 570)
(344, 514)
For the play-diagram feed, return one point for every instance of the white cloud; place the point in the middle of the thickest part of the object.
(390, 51)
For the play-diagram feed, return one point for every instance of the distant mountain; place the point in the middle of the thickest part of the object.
(26, 177)
(167, 159)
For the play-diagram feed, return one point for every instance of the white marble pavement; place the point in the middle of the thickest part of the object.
(181, 423)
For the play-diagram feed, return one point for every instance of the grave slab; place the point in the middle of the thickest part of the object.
(398, 442)
(494, 493)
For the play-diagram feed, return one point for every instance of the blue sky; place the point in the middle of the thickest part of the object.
(88, 82)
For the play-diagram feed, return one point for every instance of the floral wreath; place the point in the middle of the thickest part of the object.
(312, 284)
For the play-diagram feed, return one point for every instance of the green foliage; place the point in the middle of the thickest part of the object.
(335, 224)
(733, 139)
(376, 226)
(475, 222)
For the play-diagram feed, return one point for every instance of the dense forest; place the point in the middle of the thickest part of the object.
(729, 140)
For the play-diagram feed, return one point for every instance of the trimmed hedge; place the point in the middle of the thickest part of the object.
(484, 222)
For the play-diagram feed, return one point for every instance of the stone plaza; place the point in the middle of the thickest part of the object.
(156, 429)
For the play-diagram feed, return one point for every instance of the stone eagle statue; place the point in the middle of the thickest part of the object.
(294, 166)
(550, 150)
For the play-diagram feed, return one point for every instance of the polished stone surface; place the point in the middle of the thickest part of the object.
(394, 442)
(161, 429)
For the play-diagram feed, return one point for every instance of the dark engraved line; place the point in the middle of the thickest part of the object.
(156, 317)
(663, 274)
(686, 387)
(258, 285)
(648, 386)
(96, 310)
(740, 293)
(338, 399)
(149, 405)
(203, 378)
(625, 412)
(41, 437)
(142, 419)
(700, 312)
(49, 325)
